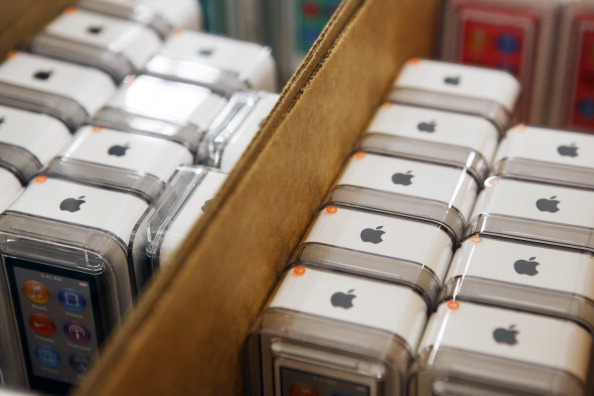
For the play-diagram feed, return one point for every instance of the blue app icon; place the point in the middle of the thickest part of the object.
(48, 356)
(72, 300)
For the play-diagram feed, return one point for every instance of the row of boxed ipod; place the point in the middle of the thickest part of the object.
(75, 256)
(349, 315)
(545, 44)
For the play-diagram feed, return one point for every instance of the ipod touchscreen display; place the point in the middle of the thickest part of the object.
(301, 383)
(57, 314)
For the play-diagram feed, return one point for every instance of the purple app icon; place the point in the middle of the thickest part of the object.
(77, 332)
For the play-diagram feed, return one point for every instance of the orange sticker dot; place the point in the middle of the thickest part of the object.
(476, 239)
(520, 127)
(360, 155)
(453, 305)
(12, 54)
(41, 179)
(331, 209)
(492, 181)
(177, 31)
(70, 10)
(387, 105)
(299, 270)
(96, 128)
(415, 61)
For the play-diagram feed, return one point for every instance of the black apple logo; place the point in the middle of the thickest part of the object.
(568, 151)
(452, 80)
(402, 178)
(506, 336)
(95, 29)
(372, 235)
(548, 205)
(118, 150)
(205, 51)
(426, 126)
(72, 204)
(204, 207)
(526, 267)
(43, 75)
(343, 300)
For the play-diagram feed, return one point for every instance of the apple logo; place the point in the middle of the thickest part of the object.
(548, 205)
(43, 75)
(526, 267)
(426, 126)
(372, 235)
(72, 204)
(1, 120)
(402, 178)
(568, 151)
(343, 300)
(205, 51)
(452, 80)
(118, 150)
(506, 336)
(206, 204)
(95, 29)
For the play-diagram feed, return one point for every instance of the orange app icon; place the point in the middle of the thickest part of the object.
(302, 389)
(36, 292)
(42, 324)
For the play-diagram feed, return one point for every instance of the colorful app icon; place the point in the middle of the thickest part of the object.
(79, 363)
(77, 332)
(42, 324)
(36, 292)
(48, 356)
(72, 300)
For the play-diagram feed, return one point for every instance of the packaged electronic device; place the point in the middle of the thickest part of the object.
(524, 276)
(488, 93)
(329, 333)
(118, 47)
(472, 349)
(65, 271)
(29, 140)
(437, 129)
(546, 155)
(223, 63)
(385, 176)
(178, 111)
(535, 212)
(232, 131)
(118, 159)
(171, 218)
(67, 91)
(160, 16)
(511, 35)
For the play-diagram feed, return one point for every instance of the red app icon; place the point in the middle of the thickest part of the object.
(42, 324)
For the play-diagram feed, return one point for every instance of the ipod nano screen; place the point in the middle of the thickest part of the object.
(57, 317)
(301, 383)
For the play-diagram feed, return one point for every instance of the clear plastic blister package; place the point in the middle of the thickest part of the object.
(29, 141)
(178, 111)
(171, 217)
(67, 91)
(513, 35)
(535, 212)
(491, 94)
(378, 245)
(160, 16)
(471, 349)
(524, 276)
(231, 132)
(446, 130)
(223, 63)
(64, 248)
(118, 159)
(325, 332)
(114, 45)
(381, 177)
(546, 155)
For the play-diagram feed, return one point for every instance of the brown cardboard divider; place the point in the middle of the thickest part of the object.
(186, 334)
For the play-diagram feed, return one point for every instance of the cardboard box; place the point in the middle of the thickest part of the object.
(186, 334)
